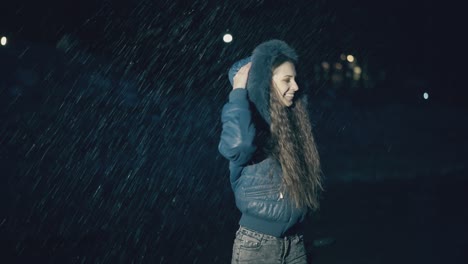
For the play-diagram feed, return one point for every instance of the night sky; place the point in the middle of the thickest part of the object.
(111, 119)
(411, 41)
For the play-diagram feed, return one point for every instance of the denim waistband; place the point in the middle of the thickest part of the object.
(259, 235)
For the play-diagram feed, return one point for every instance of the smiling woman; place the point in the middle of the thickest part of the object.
(284, 82)
(274, 163)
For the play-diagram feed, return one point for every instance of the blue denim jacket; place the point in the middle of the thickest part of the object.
(256, 184)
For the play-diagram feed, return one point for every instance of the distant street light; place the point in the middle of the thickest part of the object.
(325, 65)
(3, 41)
(357, 73)
(227, 38)
(350, 58)
(357, 70)
(426, 96)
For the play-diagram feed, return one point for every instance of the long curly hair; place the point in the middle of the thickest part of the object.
(293, 146)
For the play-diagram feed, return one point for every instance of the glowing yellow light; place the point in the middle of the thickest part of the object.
(357, 70)
(350, 58)
(3, 41)
(326, 65)
(227, 38)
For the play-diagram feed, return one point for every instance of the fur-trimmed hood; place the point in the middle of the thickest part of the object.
(259, 81)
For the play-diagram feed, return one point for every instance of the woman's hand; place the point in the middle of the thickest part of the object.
(240, 79)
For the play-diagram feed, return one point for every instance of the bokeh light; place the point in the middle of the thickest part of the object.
(357, 70)
(227, 38)
(325, 65)
(357, 73)
(426, 96)
(338, 66)
(3, 41)
(350, 58)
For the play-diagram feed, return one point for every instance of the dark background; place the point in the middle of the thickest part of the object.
(111, 118)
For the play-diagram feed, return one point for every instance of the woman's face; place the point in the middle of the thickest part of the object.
(284, 82)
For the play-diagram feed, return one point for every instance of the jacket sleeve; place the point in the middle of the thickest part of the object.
(238, 131)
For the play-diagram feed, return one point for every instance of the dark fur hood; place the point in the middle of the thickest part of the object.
(258, 84)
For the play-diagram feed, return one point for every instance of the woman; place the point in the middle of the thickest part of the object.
(274, 165)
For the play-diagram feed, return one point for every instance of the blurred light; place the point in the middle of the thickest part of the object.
(343, 56)
(3, 41)
(325, 65)
(227, 38)
(426, 96)
(350, 58)
(357, 73)
(338, 66)
(357, 70)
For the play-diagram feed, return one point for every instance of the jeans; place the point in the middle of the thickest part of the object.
(253, 247)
